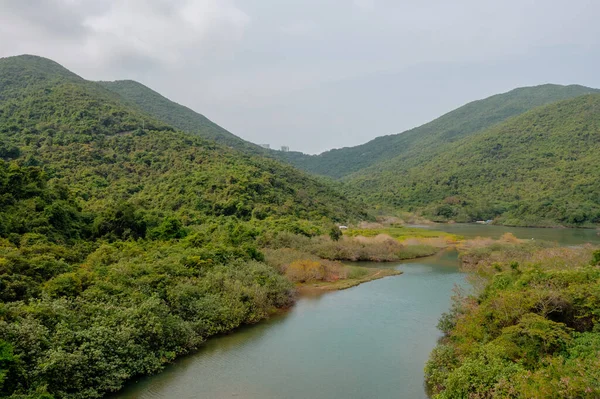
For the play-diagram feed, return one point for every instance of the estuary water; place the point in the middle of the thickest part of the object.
(370, 341)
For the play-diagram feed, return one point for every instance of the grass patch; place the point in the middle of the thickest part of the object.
(404, 233)
(357, 272)
(417, 251)
(356, 275)
(312, 274)
(374, 246)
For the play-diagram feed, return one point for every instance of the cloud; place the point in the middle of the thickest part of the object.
(300, 28)
(364, 4)
(121, 33)
(53, 18)
(162, 30)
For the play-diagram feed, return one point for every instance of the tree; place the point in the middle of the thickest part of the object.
(596, 258)
(335, 233)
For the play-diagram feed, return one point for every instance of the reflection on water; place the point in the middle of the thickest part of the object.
(370, 341)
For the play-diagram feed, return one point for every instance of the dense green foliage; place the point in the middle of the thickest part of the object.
(123, 242)
(531, 331)
(126, 310)
(430, 140)
(87, 138)
(28, 204)
(177, 115)
(451, 168)
(79, 316)
(539, 168)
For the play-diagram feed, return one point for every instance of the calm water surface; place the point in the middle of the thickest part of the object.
(562, 236)
(370, 341)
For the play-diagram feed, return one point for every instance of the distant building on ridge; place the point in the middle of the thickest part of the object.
(285, 148)
(267, 146)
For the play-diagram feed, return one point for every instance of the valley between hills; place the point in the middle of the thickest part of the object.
(133, 230)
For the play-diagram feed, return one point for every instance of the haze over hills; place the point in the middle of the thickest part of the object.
(428, 139)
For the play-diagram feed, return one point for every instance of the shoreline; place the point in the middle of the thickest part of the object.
(557, 227)
(319, 287)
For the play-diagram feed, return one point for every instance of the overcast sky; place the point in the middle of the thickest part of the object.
(314, 74)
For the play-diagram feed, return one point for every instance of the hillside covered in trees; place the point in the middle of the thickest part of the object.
(178, 116)
(539, 168)
(132, 228)
(92, 140)
(430, 139)
(125, 242)
(421, 170)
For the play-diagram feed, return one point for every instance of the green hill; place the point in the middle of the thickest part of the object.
(539, 168)
(90, 138)
(19, 73)
(177, 115)
(124, 242)
(429, 139)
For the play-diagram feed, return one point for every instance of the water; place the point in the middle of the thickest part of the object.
(370, 341)
(562, 236)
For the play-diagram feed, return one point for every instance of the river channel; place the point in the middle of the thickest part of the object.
(370, 341)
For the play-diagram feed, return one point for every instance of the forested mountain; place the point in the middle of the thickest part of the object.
(89, 138)
(539, 168)
(391, 170)
(428, 140)
(177, 115)
(124, 242)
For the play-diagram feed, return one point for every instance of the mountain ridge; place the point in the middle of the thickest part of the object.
(48, 111)
(467, 119)
(177, 115)
(536, 168)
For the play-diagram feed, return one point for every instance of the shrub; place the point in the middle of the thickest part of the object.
(305, 270)
(531, 330)
(595, 258)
